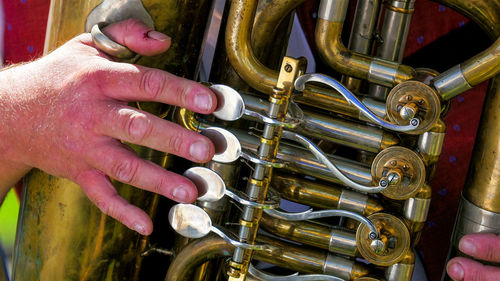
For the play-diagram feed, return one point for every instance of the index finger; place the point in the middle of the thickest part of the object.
(483, 246)
(129, 82)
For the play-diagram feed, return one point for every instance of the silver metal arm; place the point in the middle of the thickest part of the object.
(320, 155)
(352, 99)
(310, 215)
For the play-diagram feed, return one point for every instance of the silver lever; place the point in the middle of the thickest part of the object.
(231, 107)
(193, 222)
(352, 99)
(310, 215)
(211, 187)
(320, 155)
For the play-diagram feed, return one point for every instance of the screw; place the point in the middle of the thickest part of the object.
(393, 162)
(378, 246)
(393, 178)
(288, 68)
(406, 167)
(383, 183)
(414, 122)
(373, 235)
(409, 97)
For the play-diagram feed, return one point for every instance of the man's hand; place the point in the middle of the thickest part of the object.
(67, 112)
(480, 246)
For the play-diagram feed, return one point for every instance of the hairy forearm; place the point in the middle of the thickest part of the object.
(11, 171)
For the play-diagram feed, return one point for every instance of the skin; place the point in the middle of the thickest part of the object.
(484, 247)
(67, 112)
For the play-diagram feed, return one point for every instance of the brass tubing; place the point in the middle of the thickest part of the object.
(362, 34)
(309, 260)
(403, 270)
(430, 144)
(325, 196)
(239, 49)
(470, 73)
(485, 13)
(332, 101)
(332, 50)
(394, 33)
(286, 255)
(268, 20)
(195, 254)
(483, 182)
(337, 130)
(302, 161)
(309, 233)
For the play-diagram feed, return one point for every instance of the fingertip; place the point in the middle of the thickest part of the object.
(184, 194)
(143, 226)
(455, 270)
(467, 246)
(202, 151)
(204, 100)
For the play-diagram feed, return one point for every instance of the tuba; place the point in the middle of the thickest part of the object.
(329, 181)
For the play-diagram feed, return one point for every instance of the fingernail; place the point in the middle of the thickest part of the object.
(203, 102)
(199, 151)
(456, 271)
(158, 35)
(180, 194)
(467, 247)
(140, 228)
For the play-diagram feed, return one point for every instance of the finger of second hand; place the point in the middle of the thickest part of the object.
(463, 269)
(125, 166)
(142, 128)
(483, 246)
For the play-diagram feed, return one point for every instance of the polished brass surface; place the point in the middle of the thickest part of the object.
(343, 60)
(322, 195)
(309, 233)
(394, 233)
(482, 186)
(404, 161)
(239, 49)
(417, 97)
(105, 250)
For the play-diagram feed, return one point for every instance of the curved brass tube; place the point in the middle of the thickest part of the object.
(485, 13)
(332, 50)
(268, 20)
(481, 67)
(195, 254)
(324, 196)
(286, 255)
(239, 50)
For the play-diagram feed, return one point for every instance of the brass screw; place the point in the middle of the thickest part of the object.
(408, 97)
(393, 163)
(288, 68)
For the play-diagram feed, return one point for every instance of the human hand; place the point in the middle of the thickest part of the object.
(66, 112)
(484, 246)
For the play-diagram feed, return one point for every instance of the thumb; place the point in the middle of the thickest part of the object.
(138, 37)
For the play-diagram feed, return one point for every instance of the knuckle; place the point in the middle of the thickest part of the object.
(137, 126)
(126, 170)
(175, 143)
(153, 83)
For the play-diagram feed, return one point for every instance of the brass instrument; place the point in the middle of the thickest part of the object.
(391, 128)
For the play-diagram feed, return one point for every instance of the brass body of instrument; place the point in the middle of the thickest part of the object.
(62, 236)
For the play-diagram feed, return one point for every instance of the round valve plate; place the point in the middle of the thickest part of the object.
(406, 164)
(393, 231)
(417, 97)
